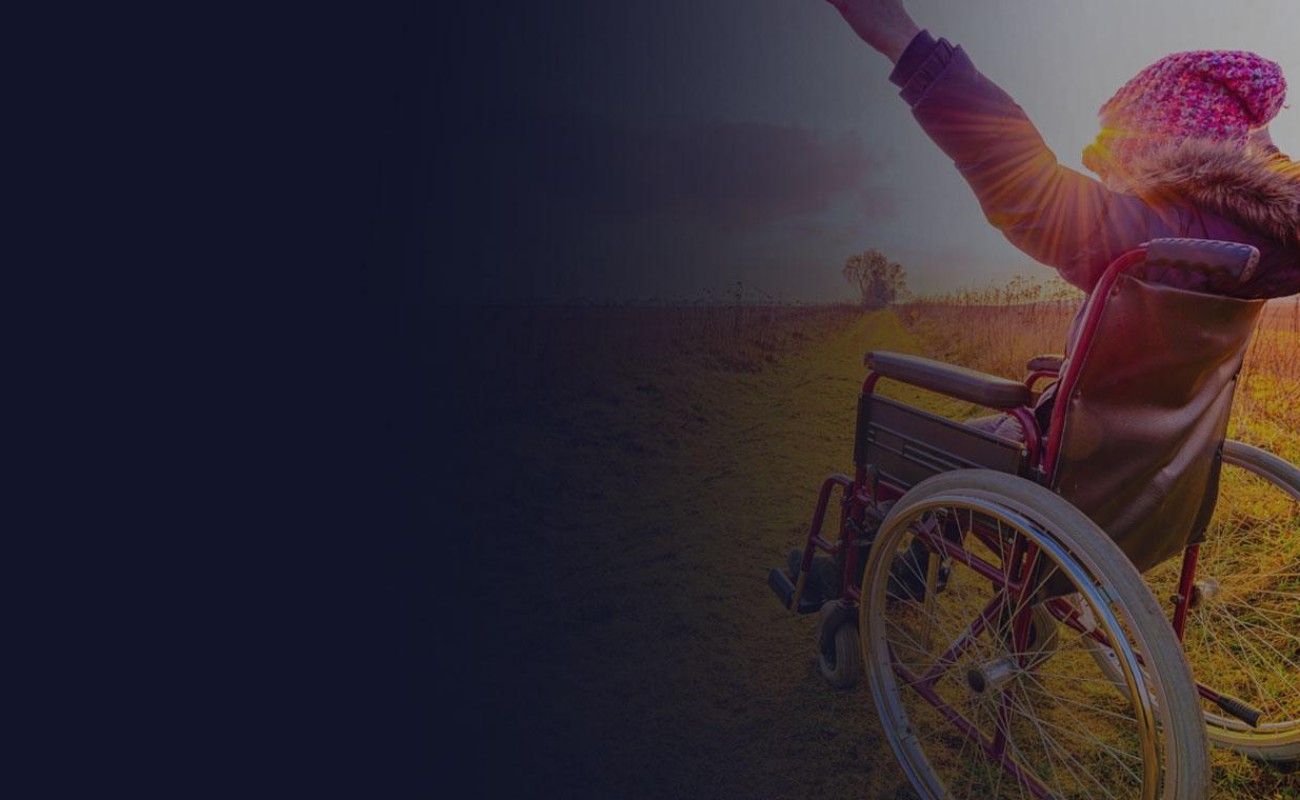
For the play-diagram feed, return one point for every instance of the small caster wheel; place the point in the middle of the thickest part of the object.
(839, 654)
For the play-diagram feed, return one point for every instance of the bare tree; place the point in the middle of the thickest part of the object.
(879, 279)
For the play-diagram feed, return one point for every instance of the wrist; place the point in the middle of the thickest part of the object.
(896, 38)
(889, 33)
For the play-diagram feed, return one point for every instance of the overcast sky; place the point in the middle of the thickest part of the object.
(664, 150)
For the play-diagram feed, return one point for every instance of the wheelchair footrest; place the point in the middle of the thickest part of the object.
(783, 587)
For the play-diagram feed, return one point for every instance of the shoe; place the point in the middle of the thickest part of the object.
(823, 576)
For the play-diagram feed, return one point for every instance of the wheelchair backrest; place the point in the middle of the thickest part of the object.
(1142, 406)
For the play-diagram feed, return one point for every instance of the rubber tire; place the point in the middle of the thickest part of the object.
(1187, 770)
(841, 669)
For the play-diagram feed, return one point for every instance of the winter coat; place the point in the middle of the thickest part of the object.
(1076, 224)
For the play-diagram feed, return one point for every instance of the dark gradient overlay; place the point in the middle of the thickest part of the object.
(574, 156)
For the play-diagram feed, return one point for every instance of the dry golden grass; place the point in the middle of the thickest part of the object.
(1248, 642)
(998, 331)
(1266, 412)
(648, 467)
(632, 476)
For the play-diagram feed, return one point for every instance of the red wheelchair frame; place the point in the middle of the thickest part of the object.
(1037, 459)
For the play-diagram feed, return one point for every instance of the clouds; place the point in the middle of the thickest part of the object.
(730, 175)
(572, 203)
(746, 174)
(615, 150)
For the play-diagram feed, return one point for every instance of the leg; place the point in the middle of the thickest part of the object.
(1003, 425)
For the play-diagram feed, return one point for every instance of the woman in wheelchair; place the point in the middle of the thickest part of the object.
(1184, 152)
(988, 576)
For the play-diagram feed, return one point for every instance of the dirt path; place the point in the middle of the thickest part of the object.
(626, 642)
(603, 614)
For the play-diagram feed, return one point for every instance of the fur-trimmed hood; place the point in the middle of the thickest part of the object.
(1258, 192)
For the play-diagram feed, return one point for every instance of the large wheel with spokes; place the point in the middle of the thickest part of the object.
(979, 696)
(1243, 628)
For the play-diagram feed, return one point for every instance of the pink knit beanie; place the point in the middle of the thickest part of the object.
(1204, 94)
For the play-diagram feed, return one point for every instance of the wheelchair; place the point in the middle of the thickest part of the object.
(992, 589)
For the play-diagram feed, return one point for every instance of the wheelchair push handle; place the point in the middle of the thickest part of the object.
(1226, 260)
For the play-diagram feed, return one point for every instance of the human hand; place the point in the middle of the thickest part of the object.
(883, 24)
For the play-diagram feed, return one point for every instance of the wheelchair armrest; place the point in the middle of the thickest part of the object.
(1046, 363)
(960, 382)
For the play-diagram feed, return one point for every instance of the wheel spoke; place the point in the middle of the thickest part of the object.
(1244, 638)
(985, 718)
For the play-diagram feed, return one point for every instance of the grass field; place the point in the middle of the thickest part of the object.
(629, 475)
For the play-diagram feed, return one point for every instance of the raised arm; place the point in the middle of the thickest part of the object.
(1055, 215)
